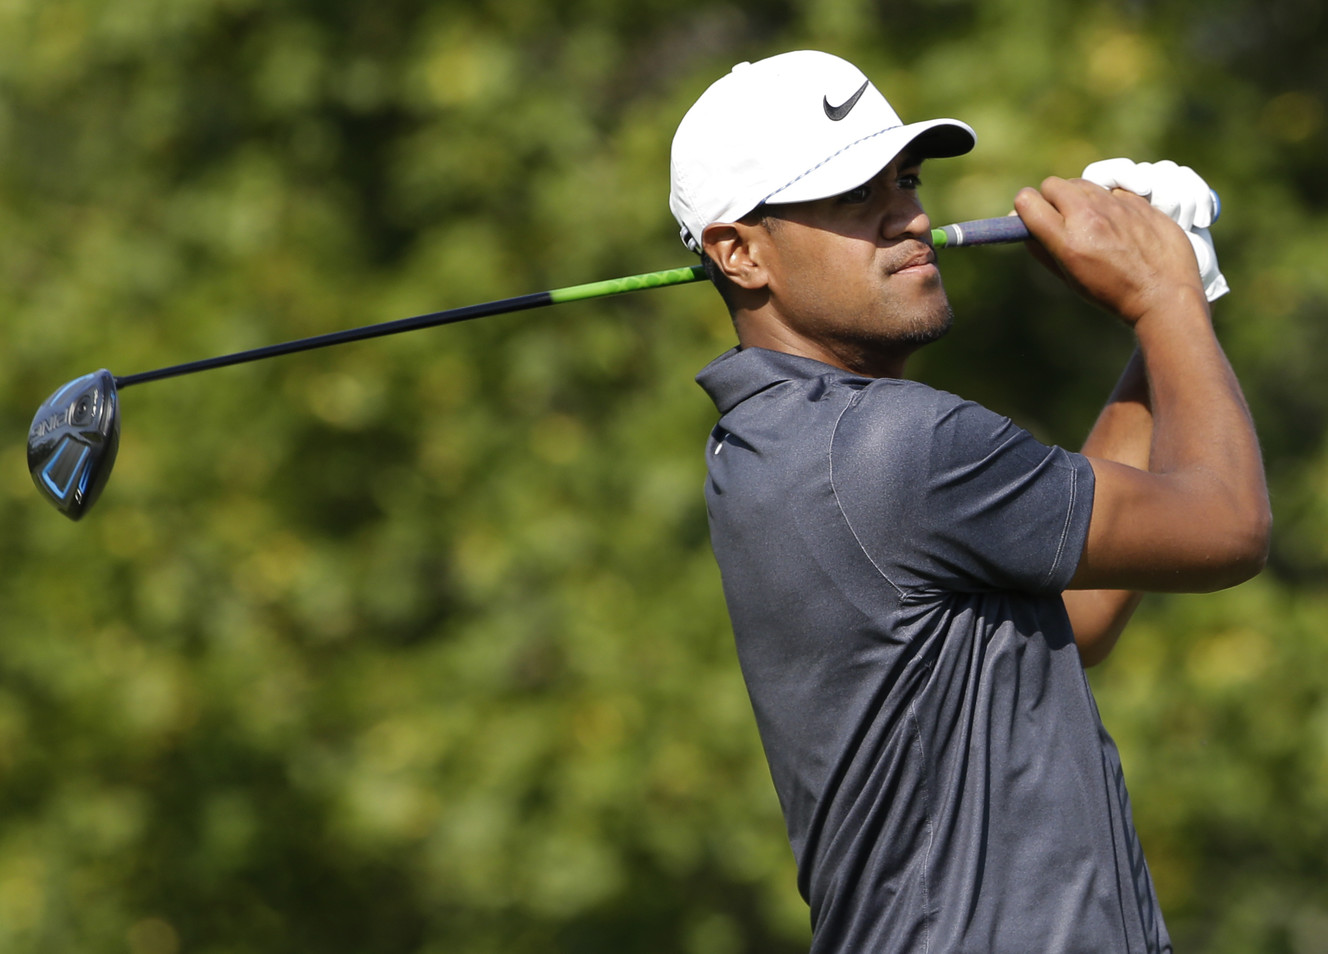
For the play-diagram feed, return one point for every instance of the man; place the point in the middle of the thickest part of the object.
(915, 583)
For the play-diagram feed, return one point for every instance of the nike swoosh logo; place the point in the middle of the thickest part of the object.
(836, 113)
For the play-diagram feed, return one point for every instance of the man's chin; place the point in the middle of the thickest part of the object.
(925, 331)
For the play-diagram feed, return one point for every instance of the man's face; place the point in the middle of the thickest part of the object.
(855, 275)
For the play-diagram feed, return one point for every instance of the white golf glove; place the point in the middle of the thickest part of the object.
(1178, 191)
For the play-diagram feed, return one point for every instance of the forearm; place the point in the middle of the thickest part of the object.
(1197, 519)
(1123, 432)
(1195, 516)
(1178, 412)
(1201, 423)
(1203, 436)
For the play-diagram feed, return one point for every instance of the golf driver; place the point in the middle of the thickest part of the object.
(73, 441)
(76, 432)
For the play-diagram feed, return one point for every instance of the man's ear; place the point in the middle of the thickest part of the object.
(736, 250)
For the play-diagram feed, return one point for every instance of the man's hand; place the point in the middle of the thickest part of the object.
(1178, 191)
(1112, 247)
(1182, 194)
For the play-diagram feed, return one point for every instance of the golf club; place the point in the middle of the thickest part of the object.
(76, 432)
(1008, 228)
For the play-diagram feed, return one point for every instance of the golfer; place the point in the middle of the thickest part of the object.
(915, 583)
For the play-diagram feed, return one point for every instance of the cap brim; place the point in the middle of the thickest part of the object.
(943, 139)
(851, 167)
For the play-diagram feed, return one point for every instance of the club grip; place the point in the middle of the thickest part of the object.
(1007, 228)
(1002, 230)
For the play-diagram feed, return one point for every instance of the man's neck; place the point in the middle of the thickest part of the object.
(855, 357)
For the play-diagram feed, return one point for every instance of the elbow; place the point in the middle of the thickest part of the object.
(1244, 552)
(1259, 542)
(1094, 653)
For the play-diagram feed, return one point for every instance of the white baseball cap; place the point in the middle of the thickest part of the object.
(791, 128)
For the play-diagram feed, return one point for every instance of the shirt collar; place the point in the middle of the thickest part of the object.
(739, 373)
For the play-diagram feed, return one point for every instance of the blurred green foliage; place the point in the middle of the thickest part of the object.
(417, 645)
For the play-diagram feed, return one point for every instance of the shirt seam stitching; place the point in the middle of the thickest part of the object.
(1065, 529)
(928, 914)
(834, 490)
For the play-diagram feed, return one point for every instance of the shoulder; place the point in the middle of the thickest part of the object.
(955, 496)
(891, 411)
(920, 436)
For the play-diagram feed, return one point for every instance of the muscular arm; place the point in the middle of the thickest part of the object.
(1123, 433)
(1196, 517)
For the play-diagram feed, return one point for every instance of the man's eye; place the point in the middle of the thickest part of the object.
(910, 182)
(856, 196)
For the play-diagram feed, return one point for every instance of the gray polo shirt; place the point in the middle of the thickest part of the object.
(893, 559)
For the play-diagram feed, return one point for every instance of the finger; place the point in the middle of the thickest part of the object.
(1072, 200)
(1177, 190)
(1120, 174)
(1039, 214)
(1199, 197)
(1205, 207)
(1214, 282)
(1174, 192)
(1204, 255)
(1047, 217)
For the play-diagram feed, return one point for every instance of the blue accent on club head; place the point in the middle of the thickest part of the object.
(78, 470)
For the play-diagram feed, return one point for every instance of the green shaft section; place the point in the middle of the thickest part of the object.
(616, 286)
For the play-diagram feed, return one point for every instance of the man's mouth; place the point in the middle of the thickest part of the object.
(921, 257)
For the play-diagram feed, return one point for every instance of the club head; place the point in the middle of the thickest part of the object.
(73, 441)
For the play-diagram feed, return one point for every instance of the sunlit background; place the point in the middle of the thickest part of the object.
(416, 646)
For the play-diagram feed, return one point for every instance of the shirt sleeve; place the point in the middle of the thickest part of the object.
(941, 492)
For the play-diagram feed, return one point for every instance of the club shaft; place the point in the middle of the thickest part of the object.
(602, 289)
(980, 232)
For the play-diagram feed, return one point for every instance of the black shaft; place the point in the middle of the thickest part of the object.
(451, 316)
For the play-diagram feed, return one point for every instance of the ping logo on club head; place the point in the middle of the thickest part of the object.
(73, 441)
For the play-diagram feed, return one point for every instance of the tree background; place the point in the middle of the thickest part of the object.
(417, 645)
